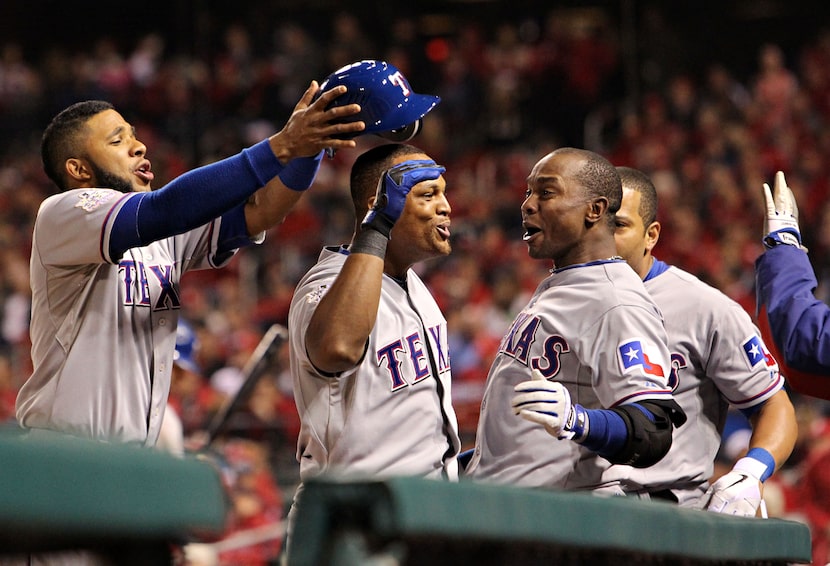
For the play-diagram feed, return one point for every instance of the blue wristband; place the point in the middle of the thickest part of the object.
(264, 164)
(299, 174)
(763, 456)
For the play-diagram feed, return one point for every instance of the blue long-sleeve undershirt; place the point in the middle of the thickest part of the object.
(800, 322)
(196, 198)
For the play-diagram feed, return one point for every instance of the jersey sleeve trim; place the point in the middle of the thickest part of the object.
(107, 228)
(760, 397)
(656, 394)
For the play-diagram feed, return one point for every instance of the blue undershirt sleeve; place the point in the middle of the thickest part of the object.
(300, 172)
(193, 199)
(607, 432)
(233, 231)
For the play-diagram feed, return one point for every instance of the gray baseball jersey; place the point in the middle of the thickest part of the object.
(594, 328)
(391, 415)
(103, 329)
(717, 358)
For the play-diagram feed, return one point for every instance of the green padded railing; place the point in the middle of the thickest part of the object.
(57, 491)
(422, 521)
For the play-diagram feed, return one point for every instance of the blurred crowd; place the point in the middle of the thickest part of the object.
(511, 91)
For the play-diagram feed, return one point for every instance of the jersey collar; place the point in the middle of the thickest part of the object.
(612, 259)
(657, 267)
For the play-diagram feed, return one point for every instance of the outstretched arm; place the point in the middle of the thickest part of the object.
(198, 196)
(299, 146)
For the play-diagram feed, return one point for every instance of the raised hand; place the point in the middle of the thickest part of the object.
(312, 127)
(393, 187)
(781, 221)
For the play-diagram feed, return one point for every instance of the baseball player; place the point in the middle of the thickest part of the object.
(586, 360)
(368, 343)
(787, 306)
(108, 254)
(718, 358)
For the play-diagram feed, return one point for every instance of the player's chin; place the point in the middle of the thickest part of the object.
(535, 251)
(441, 247)
(440, 242)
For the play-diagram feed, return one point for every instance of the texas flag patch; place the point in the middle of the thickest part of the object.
(756, 352)
(633, 355)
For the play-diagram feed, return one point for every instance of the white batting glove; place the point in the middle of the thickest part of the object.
(548, 403)
(781, 222)
(739, 491)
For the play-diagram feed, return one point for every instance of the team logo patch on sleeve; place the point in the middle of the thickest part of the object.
(91, 199)
(633, 355)
(315, 295)
(755, 352)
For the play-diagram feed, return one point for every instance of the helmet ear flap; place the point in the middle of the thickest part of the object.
(403, 134)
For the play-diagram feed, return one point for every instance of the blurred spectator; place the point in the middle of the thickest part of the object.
(775, 90)
(191, 399)
(8, 390)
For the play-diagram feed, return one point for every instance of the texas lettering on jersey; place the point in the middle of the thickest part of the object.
(516, 344)
(138, 278)
(413, 350)
(678, 362)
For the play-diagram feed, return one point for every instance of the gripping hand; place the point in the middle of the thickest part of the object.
(392, 189)
(739, 491)
(548, 403)
(735, 493)
(781, 222)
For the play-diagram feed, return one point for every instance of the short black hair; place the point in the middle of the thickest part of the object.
(369, 166)
(60, 139)
(598, 177)
(638, 181)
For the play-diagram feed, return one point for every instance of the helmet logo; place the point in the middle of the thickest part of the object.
(397, 79)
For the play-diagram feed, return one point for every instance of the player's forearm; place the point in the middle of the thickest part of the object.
(269, 206)
(774, 428)
(341, 324)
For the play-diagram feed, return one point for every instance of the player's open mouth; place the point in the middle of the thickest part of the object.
(530, 231)
(144, 173)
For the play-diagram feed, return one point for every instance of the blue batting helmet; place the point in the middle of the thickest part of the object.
(186, 346)
(388, 105)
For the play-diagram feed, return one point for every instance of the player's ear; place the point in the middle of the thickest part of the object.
(652, 235)
(596, 209)
(78, 170)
